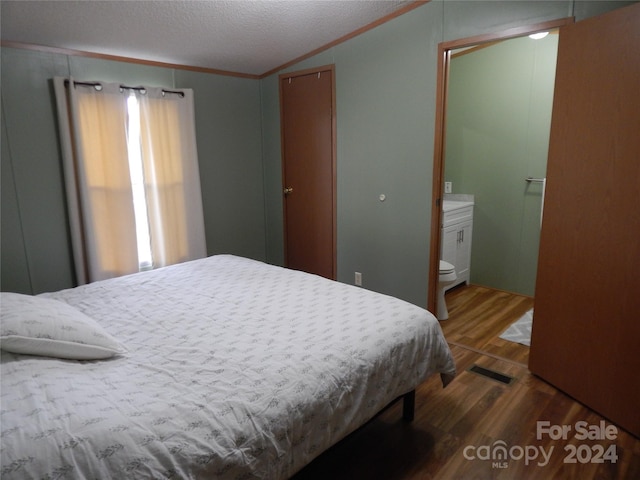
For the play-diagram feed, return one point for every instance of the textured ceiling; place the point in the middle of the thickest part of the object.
(243, 36)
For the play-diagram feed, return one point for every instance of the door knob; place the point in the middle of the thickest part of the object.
(288, 190)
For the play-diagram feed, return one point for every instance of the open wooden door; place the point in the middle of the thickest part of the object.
(586, 328)
(307, 101)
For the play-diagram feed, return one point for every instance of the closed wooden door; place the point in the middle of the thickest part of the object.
(308, 145)
(586, 326)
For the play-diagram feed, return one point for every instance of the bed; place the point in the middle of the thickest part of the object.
(223, 367)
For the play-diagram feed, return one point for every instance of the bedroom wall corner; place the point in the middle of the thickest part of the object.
(386, 84)
(385, 94)
(15, 274)
(272, 155)
(228, 125)
(272, 170)
(36, 252)
(34, 221)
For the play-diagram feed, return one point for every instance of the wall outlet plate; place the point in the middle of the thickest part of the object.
(448, 187)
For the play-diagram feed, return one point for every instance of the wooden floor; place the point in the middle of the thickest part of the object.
(477, 317)
(474, 414)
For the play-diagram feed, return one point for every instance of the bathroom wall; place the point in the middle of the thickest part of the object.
(498, 120)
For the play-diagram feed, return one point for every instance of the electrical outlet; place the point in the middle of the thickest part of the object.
(448, 187)
(358, 279)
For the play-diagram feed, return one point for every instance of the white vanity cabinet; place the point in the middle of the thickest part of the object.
(457, 227)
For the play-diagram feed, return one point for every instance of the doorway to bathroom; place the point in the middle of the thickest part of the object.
(494, 107)
(498, 120)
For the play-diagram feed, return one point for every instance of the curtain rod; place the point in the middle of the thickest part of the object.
(139, 89)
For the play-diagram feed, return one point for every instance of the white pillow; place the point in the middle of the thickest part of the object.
(51, 328)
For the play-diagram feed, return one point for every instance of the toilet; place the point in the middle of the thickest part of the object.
(447, 275)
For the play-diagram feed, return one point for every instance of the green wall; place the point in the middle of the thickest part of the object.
(386, 82)
(36, 253)
(386, 87)
(497, 134)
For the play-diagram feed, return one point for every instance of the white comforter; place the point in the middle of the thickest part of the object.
(235, 369)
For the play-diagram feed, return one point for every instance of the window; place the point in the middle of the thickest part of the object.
(131, 173)
(134, 142)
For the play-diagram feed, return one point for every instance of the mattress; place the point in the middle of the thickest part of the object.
(234, 369)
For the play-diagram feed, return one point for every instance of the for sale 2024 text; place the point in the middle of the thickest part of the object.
(589, 451)
(583, 453)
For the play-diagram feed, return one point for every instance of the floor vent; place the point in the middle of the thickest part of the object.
(492, 374)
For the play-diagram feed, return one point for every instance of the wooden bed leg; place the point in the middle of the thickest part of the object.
(408, 406)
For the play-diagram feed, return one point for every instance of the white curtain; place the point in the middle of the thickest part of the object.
(93, 123)
(172, 179)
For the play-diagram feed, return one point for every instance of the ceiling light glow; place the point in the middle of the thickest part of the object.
(539, 35)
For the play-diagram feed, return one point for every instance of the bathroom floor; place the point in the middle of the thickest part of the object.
(477, 317)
